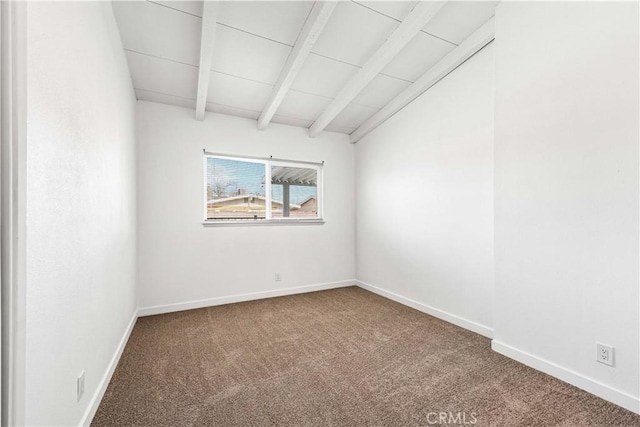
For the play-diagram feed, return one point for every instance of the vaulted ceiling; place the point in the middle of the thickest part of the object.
(343, 67)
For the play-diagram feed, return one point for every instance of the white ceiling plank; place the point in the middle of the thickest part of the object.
(318, 18)
(276, 20)
(163, 98)
(353, 116)
(232, 111)
(418, 18)
(459, 19)
(339, 129)
(238, 93)
(420, 54)
(159, 31)
(380, 91)
(186, 6)
(291, 121)
(354, 33)
(254, 40)
(480, 38)
(159, 75)
(323, 76)
(210, 11)
(244, 55)
(396, 9)
(303, 105)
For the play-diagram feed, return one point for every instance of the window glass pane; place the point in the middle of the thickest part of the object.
(235, 189)
(297, 185)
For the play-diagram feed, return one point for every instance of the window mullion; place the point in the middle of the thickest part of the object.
(267, 189)
(319, 193)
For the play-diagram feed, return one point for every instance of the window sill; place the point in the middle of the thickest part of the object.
(263, 222)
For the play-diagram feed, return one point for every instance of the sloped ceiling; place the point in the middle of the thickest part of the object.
(253, 40)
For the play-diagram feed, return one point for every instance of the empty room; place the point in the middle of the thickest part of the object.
(314, 213)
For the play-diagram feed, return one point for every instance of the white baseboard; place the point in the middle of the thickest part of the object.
(189, 305)
(606, 392)
(106, 378)
(432, 311)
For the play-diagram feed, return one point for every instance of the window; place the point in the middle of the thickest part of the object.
(251, 190)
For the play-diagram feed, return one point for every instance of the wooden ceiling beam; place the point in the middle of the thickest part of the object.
(210, 10)
(476, 41)
(311, 30)
(421, 14)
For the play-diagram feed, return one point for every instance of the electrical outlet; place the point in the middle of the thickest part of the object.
(80, 385)
(605, 354)
(277, 277)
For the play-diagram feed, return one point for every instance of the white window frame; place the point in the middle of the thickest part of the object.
(268, 164)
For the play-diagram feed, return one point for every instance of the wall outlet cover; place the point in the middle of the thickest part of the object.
(80, 386)
(605, 354)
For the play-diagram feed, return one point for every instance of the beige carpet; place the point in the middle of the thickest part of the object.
(341, 357)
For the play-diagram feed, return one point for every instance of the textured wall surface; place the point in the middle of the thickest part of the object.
(566, 188)
(181, 261)
(424, 191)
(81, 208)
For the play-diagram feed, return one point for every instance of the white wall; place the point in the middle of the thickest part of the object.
(181, 261)
(424, 191)
(566, 190)
(80, 207)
